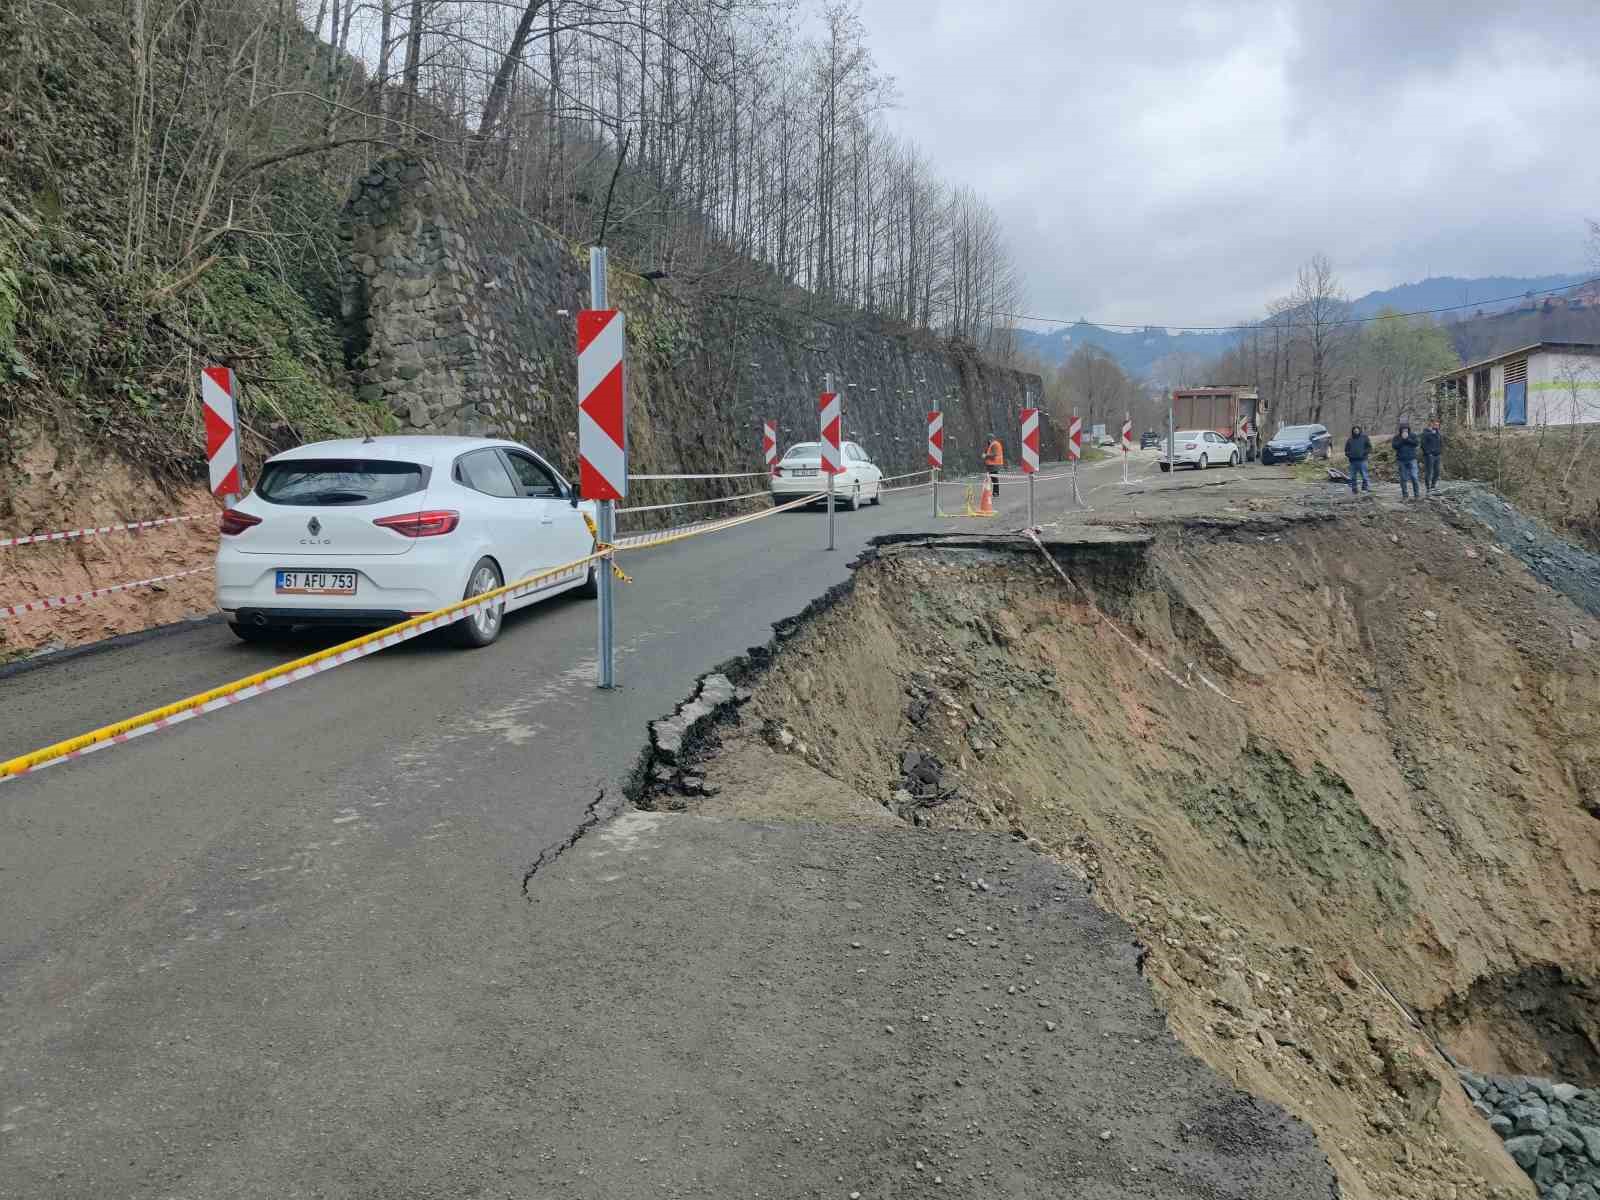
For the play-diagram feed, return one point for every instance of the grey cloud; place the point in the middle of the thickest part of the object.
(1168, 161)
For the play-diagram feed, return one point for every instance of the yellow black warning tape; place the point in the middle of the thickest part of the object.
(324, 660)
(606, 550)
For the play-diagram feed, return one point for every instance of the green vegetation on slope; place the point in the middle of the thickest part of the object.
(104, 328)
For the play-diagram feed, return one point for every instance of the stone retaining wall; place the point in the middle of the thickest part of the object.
(459, 316)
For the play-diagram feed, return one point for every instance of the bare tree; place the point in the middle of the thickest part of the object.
(1319, 310)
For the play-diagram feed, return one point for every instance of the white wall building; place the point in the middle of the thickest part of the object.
(1547, 383)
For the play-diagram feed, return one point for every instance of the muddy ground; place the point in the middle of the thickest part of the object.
(1337, 764)
(46, 488)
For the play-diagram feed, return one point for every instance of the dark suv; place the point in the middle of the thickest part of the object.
(1296, 443)
(1149, 439)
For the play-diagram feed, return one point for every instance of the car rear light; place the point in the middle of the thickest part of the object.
(776, 471)
(1190, 445)
(422, 524)
(234, 522)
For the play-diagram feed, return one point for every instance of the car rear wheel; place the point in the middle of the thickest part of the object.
(1166, 466)
(1203, 464)
(591, 585)
(483, 626)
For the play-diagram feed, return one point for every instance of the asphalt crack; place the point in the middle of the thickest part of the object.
(593, 814)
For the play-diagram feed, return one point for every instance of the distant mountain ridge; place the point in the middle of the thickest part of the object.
(1493, 293)
(1138, 350)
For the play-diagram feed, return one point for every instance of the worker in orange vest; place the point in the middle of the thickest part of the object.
(994, 458)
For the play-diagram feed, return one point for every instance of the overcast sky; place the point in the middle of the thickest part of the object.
(1173, 162)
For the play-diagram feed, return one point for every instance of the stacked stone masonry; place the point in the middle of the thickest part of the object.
(459, 317)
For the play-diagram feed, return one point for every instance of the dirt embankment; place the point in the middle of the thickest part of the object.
(48, 490)
(1386, 805)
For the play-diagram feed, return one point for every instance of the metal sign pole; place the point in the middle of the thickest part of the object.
(1172, 438)
(1030, 501)
(605, 516)
(827, 386)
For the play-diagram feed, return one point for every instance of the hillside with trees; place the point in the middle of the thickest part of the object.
(171, 172)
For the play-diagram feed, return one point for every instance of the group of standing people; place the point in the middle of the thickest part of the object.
(1406, 446)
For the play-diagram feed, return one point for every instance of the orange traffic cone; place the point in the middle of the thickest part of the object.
(985, 500)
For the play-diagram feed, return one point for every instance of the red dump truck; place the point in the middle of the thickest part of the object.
(1233, 411)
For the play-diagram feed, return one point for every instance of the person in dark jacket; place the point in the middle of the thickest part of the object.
(1358, 448)
(1432, 451)
(1405, 457)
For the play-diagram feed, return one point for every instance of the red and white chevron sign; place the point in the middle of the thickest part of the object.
(936, 439)
(1127, 435)
(832, 413)
(769, 443)
(1030, 441)
(1075, 438)
(222, 430)
(602, 406)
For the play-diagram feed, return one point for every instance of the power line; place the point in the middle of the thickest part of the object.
(1184, 327)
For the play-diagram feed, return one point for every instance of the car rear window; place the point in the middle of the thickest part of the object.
(803, 450)
(331, 481)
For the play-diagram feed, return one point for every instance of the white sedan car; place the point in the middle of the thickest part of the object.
(1200, 448)
(799, 473)
(370, 532)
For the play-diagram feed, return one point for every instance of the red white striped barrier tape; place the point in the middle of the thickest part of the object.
(67, 601)
(690, 503)
(907, 475)
(67, 535)
(737, 475)
(907, 487)
(635, 541)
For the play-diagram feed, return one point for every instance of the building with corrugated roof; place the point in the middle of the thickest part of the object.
(1545, 383)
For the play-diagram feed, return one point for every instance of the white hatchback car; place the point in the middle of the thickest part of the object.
(1200, 448)
(370, 532)
(799, 473)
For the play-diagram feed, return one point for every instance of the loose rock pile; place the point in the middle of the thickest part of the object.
(1552, 1130)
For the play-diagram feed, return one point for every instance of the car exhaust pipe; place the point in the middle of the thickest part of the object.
(261, 620)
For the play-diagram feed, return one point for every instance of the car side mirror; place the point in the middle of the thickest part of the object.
(572, 494)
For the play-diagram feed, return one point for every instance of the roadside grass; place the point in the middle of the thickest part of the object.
(1549, 471)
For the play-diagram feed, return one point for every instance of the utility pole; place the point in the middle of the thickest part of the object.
(1172, 438)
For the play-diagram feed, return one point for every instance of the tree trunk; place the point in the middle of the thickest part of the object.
(406, 102)
(500, 89)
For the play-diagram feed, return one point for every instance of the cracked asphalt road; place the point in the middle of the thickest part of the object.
(278, 951)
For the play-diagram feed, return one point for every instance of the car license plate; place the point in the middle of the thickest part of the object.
(805, 470)
(316, 583)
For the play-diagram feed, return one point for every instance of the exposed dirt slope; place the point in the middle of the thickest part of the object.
(50, 490)
(1393, 801)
